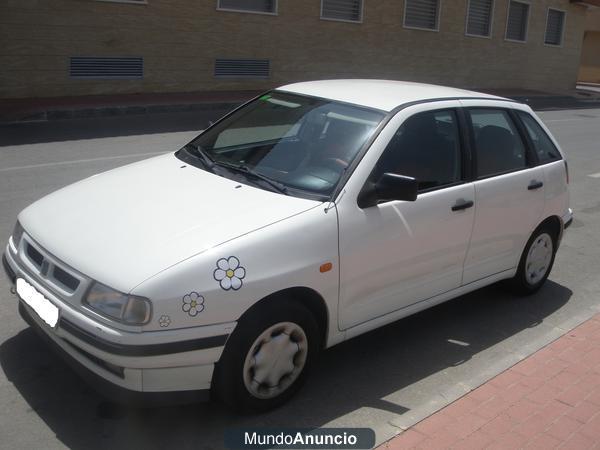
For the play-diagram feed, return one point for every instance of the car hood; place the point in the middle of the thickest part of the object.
(126, 225)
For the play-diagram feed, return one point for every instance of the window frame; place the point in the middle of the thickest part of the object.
(464, 150)
(562, 31)
(526, 21)
(246, 11)
(529, 140)
(437, 19)
(332, 19)
(489, 35)
(530, 156)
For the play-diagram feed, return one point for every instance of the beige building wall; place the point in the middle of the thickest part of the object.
(180, 39)
(590, 55)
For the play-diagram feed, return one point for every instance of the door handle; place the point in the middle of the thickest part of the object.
(462, 204)
(534, 184)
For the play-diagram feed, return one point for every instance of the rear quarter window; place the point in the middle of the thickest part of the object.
(544, 147)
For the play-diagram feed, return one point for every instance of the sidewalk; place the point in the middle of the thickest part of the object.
(55, 108)
(549, 400)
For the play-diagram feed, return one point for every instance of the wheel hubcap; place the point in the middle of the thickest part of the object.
(275, 360)
(538, 258)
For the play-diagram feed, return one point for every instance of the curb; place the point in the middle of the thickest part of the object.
(112, 111)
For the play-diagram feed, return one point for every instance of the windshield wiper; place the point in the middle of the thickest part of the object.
(244, 169)
(206, 160)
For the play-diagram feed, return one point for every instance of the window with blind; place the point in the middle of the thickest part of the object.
(422, 14)
(259, 6)
(516, 23)
(479, 17)
(555, 24)
(347, 10)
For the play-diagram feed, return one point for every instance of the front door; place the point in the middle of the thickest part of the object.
(398, 253)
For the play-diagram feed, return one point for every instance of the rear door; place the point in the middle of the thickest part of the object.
(509, 191)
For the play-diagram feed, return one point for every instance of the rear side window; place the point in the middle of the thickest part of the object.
(498, 146)
(545, 149)
(426, 147)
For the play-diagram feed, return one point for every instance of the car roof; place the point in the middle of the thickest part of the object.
(380, 94)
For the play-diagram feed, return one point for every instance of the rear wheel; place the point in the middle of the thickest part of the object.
(536, 261)
(268, 356)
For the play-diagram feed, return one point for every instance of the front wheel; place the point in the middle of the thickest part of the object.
(267, 357)
(536, 261)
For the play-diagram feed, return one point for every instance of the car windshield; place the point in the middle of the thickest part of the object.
(297, 144)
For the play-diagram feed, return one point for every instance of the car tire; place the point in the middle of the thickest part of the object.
(536, 261)
(275, 341)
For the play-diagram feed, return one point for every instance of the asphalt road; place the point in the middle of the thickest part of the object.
(386, 380)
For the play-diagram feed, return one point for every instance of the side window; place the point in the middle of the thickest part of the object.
(497, 142)
(426, 147)
(545, 149)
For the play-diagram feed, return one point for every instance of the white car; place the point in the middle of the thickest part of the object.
(306, 217)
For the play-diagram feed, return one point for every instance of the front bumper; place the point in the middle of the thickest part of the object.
(141, 367)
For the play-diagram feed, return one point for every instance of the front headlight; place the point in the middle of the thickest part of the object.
(17, 234)
(129, 309)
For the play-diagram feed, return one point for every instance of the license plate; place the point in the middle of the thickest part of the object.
(44, 308)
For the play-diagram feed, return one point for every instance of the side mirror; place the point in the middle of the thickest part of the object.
(389, 187)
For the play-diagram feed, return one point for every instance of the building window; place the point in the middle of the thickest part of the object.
(422, 14)
(516, 22)
(255, 6)
(345, 10)
(102, 67)
(479, 17)
(242, 68)
(555, 25)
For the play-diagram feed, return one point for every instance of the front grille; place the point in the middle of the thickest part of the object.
(48, 269)
(36, 257)
(65, 278)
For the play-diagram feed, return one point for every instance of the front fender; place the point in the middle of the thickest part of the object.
(285, 254)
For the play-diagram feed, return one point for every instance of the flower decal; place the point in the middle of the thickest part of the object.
(164, 321)
(193, 304)
(229, 273)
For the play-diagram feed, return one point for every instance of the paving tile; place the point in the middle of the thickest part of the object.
(563, 427)
(438, 441)
(492, 408)
(543, 442)
(532, 426)
(475, 441)
(522, 410)
(584, 411)
(434, 423)
(511, 440)
(506, 379)
(499, 425)
(594, 395)
(542, 394)
(461, 406)
(468, 423)
(572, 396)
(578, 441)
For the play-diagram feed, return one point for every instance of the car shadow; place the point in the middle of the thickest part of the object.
(355, 374)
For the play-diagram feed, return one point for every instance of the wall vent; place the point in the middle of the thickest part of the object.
(106, 67)
(242, 68)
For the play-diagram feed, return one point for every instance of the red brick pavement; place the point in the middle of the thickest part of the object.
(549, 400)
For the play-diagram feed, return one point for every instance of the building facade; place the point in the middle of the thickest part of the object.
(590, 54)
(81, 47)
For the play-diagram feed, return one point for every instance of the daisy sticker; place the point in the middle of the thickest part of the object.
(164, 321)
(193, 304)
(229, 273)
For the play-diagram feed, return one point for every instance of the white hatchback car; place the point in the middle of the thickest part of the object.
(309, 215)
